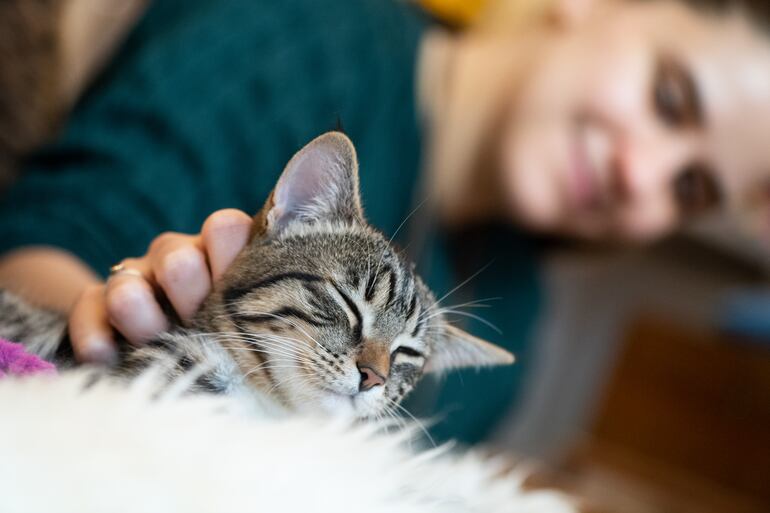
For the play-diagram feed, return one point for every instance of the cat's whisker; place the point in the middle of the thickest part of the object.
(302, 378)
(296, 326)
(458, 287)
(274, 365)
(269, 350)
(471, 316)
(257, 341)
(247, 336)
(447, 310)
(280, 359)
(264, 351)
(476, 303)
(392, 414)
(287, 358)
(390, 241)
(276, 345)
(396, 421)
(272, 342)
(274, 354)
(419, 424)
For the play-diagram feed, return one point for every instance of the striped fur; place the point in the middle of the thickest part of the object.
(315, 297)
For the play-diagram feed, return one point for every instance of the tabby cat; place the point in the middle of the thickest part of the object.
(318, 312)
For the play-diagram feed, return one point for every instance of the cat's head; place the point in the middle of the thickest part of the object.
(321, 310)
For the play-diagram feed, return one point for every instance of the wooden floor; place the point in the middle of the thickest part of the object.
(684, 427)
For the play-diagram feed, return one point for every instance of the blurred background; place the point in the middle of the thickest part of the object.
(652, 396)
(646, 387)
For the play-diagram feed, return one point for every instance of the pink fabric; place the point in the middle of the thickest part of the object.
(16, 361)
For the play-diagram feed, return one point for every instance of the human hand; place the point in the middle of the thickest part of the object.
(180, 267)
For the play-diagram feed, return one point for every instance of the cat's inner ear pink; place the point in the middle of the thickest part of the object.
(319, 183)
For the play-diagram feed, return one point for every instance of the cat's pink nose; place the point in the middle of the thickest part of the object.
(369, 379)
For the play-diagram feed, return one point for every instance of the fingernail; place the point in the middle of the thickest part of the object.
(100, 351)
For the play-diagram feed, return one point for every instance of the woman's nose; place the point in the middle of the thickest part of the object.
(645, 167)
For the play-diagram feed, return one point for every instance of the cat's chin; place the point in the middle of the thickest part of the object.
(337, 405)
(359, 406)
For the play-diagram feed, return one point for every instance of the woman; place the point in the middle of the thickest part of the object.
(589, 118)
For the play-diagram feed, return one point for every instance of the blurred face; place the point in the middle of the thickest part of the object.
(635, 117)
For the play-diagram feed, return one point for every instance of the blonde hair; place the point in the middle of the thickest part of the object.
(488, 14)
(511, 15)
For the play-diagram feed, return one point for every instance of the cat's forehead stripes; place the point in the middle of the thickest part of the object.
(353, 311)
(323, 296)
(412, 306)
(380, 286)
(389, 283)
(235, 293)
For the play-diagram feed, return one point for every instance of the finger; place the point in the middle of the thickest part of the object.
(131, 305)
(89, 328)
(225, 233)
(179, 267)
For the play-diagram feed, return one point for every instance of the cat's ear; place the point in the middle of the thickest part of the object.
(320, 183)
(458, 349)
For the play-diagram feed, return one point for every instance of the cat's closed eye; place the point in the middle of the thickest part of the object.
(408, 351)
(409, 356)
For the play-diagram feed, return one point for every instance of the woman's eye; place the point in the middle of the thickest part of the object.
(696, 190)
(675, 97)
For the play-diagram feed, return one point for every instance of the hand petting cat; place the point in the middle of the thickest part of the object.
(305, 305)
(178, 266)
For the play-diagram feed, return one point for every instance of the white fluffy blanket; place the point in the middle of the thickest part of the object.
(112, 448)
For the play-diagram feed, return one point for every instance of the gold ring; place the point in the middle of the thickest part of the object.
(121, 268)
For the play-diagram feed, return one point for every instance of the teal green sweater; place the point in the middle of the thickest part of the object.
(207, 101)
